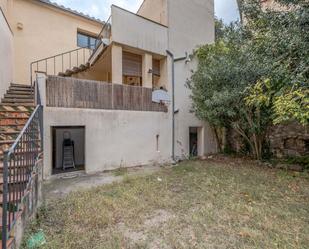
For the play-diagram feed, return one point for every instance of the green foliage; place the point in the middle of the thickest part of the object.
(255, 74)
(303, 161)
(292, 105)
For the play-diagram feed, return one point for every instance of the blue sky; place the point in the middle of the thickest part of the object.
(225, 9)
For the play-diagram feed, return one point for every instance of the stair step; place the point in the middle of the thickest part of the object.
(19, 92)
(9, 244)
(36, 151)
(4, 128)
(76, 69)
(84, 66)
(6, 142)
(11, 195)
(14, 115)
(11, 220)
(14, 110)
(5, 137)
(21, 85)
(20, 101)
(18, 104)
(61, 74)
(18, 96)
(10, 132)
(13, 121)
(68, 72)
(18, 178)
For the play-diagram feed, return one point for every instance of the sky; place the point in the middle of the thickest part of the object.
(224, 9)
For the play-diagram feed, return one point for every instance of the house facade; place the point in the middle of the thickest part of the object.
(116, 89)
(106, 105)
(95, 96)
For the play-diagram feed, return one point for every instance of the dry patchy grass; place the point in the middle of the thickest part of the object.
(194, 205)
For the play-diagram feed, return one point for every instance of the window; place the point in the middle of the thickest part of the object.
(86, 41)
(156, 68)
(132, 69)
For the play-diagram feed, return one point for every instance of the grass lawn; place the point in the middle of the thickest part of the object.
(198, 204)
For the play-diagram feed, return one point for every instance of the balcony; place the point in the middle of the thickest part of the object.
(86, 94)
(138, 32)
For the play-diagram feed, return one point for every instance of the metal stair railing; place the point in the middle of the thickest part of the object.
(104, 33)
(18, 168)
(58, 63)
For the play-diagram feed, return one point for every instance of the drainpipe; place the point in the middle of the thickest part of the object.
(173, 97)
(173, 103)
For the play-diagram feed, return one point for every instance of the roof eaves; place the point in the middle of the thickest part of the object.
(74, 12)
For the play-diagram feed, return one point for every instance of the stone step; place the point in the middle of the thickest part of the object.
(7, 137)
(8, 217)
(20, 89)
(10, 243)
(20, 85)
(13, 121)
(12, 196)
(6, 142)
(14, 115)
(20, 92)
(21, 153)
(17, 101)
(4, 128)
(32, 105)
(68, 72)
(13, 107)
(10, 132)
(19, 96)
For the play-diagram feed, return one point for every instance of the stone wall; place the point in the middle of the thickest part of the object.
(289, 140)
(286, 140)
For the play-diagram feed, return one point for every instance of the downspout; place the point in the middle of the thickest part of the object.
(173, 103)
(173, 97)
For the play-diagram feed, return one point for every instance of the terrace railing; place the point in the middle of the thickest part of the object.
(18, 168)
(59, 63)
(78, 93)
(105, 33)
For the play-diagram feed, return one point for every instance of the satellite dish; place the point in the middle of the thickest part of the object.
(106, 41)
(160, 96)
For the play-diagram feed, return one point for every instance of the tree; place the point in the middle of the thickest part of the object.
(255, 74)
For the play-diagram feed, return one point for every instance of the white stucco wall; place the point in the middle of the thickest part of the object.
(116, 139)
(191, 24)
(137, 32)
(6, 55)
(113, 139)
(155, 10)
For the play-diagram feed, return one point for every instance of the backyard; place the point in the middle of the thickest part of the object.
(197, 204)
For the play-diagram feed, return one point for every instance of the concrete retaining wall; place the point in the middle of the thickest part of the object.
(113, 139)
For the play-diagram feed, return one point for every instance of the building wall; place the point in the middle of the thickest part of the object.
(6, 53)
(41, 31)
(4, 6)
(191, 24)
(113, 139)
(137, 32)
(155, 10)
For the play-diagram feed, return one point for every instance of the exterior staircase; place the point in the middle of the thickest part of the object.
(15, 109)
(75, 70)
